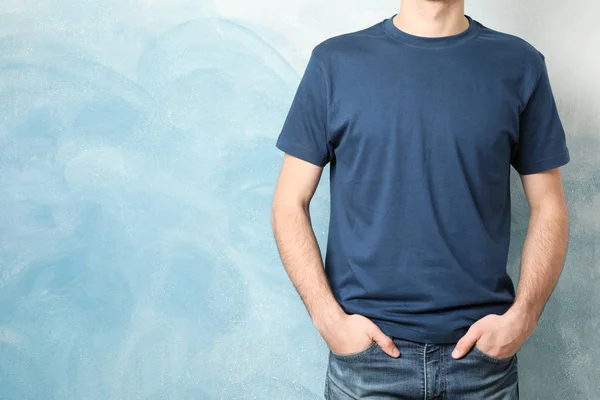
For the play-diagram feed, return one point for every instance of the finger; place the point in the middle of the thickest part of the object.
(386, 343)
(466, 342)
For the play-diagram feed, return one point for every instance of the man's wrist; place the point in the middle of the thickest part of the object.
(331, 316)
(525, 313)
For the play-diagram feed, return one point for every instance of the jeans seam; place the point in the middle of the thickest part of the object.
(442, 352)
(425, 371)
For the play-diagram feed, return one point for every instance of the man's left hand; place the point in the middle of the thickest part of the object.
(497, 335)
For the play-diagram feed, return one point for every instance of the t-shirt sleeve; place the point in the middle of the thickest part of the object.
(542, 143)
(304, 131)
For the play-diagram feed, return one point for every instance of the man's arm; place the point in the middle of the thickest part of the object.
(542, 259)
(296, 241)
(301, 257)
(545, 247)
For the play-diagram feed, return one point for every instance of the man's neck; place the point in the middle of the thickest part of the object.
(431, 18)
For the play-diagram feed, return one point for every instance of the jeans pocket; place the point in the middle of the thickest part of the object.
(358, 354)
(495, 360)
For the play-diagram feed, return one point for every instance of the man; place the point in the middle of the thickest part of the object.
(420, 117)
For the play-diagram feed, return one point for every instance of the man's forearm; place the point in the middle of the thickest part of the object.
(542, 260)
(301, 257)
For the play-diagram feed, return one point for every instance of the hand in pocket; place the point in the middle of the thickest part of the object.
(354, 333)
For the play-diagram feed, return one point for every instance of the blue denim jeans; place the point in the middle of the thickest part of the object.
(424, 371)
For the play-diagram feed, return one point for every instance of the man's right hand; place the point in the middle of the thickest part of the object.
(352, 333)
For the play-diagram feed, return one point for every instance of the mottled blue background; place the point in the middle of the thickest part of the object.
(137, 165)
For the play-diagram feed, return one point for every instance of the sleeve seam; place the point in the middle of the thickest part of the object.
(532, 167)
(305, 154)
(547, 158)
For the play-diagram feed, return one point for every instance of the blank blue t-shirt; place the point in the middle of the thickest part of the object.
(420, 134)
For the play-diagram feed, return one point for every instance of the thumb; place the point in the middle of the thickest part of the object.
(466, 342)
(385, 342)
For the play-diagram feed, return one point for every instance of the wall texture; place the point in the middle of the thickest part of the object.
(137, 165)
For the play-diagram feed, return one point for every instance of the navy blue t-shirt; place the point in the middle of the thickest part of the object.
(420, 134)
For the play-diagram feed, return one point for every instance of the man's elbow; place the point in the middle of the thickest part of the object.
(554, 207)
(283, 208)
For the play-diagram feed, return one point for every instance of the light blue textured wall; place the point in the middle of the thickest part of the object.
(137, 165)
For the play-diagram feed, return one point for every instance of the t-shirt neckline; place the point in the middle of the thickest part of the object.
(430, 42)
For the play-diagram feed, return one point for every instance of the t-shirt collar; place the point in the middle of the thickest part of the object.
(433, 42)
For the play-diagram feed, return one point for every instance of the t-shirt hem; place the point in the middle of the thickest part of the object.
(299, 151)
(545, 164)
(401, 332)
